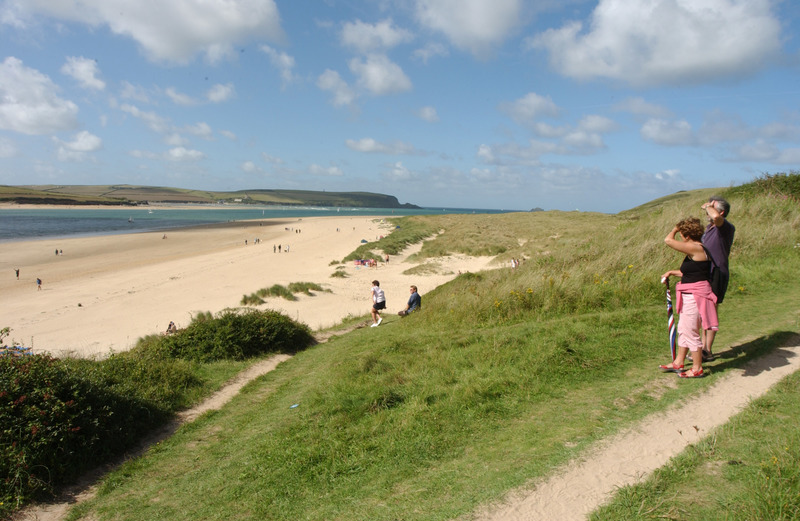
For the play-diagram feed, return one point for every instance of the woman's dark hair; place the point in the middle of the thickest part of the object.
(691, 228)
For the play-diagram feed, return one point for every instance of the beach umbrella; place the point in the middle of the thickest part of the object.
(671, 323)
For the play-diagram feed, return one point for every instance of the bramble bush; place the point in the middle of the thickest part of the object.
(237, 334)
(56, 422)
(61, 417)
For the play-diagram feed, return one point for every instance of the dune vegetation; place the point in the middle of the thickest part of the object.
(503, 376)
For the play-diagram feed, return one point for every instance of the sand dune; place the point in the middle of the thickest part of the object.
(104, 293)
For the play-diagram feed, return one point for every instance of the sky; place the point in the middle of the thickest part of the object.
(496, 104)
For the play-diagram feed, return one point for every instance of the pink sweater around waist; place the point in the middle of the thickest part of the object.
(706, 302)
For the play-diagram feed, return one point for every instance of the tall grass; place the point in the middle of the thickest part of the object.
(503, 376)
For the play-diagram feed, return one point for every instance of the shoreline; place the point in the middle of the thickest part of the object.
(107, 291)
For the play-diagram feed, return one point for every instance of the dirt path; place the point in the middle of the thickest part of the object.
(572, 492)
(581, 486)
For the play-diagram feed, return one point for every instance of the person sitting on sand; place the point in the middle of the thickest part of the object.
(695, 301)
(414, 303)
(378, 303)
(171, 328)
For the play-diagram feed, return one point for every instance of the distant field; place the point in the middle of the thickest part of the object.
(129, 194)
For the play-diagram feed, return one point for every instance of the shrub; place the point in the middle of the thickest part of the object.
(56, 422)
(236, 335)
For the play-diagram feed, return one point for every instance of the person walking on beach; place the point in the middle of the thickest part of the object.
(695, 301)
(717, 239)
(378, 303)
(38, 284)
(17, 272)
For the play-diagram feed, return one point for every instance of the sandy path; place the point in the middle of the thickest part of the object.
(573, 492)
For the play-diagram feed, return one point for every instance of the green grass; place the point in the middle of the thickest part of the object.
(278, 290)
(504, 376)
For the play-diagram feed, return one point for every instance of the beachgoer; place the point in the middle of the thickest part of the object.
(717, 240)
(387, 258)
(17, 271)
(171, 328)
(414, 303)
(695, 301)
(38, 283)
(378, 303)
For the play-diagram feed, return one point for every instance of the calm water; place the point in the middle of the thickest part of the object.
(26, 224)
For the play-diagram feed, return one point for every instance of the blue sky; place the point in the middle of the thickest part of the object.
(503, 104)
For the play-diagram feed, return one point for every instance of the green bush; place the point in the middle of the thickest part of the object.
(56, 422)
(236, 335)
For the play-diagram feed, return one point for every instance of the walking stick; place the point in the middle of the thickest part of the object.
(671, 322)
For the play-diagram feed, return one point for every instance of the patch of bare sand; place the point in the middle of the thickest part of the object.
(573, 492)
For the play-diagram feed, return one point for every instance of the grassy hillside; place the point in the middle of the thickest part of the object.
(503, 375)
(127, 194)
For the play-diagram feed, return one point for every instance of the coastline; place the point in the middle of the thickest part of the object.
(107, 291)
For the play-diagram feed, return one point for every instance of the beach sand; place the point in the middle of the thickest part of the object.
(106, 292)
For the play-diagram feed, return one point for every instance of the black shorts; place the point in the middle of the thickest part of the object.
(379, 305)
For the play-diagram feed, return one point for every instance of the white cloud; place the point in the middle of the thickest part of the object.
(184, 154)
(173, 31)
(250, 168)
(367, 38)
(78, 149)
(530, 107)
(343, 94)
(179, 98)
(431, 50)
(666, 41)
(476, 26)
(29, 103)
(599, 124)
(369, 145)
(153, 120)
(379, 75)
(85, 71)
(332, 171)
(175, 140)
(283, 62)
(134, 92)
(219, 93)
(665, 132)
(719, 127)
(398, 172)
(271, 159)
(143, 154)
(201, 129)
(7, 148)
(228, 134)
(640, 107)
(428, 114)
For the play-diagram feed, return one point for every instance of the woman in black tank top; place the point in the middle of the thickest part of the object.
(696, 267)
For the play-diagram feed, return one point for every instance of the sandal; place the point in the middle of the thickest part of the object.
(691, 374)
(671, 368)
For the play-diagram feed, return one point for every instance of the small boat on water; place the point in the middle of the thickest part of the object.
(130, 219)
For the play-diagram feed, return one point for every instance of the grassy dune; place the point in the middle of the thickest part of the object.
(503, 376)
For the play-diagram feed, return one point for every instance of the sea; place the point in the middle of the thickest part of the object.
(20, 224)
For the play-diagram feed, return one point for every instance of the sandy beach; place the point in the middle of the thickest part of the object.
(105, 292)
